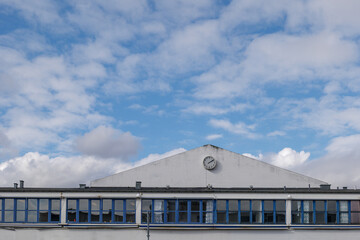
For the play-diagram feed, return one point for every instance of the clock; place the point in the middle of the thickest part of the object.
(209, 163)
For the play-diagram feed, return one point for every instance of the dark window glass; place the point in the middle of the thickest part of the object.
(280, 206)
(245, 211)
(83, 210)
(183, 207)
(355, 212)
(71, 210)
(55, 210)
(221, 211)
(43, 210)
(296, 212)
(107, 210)
(119, 216)
(146, 206)
(331, 212)
(268, 211)
(171, 208)
(320, 212)
(233, 211)
(195, 211)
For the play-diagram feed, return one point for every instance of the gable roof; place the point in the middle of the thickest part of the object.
(186, 170)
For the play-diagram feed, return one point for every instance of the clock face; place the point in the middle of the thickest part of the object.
(209, 163)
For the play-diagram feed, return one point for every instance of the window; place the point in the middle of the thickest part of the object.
(268, 211)
(221, 211)
(158, 211)
(32, 210)
(119, 211)
(71, 210)
(320, 212)
(245, 211)
(95, 210)
(343, 212)
(20, 210)
(355, 212)
(308, 212)
(130, 210)
(98, 210)
(171, 211)
(183, 211)
(233, 211)
(107, 211)
(331, 212)
(195, 211)
(280, 211)
(9, 210)
(256, 208)
(208, 209)
(1, 201)
(146, 206)
(296, 212)
(84, 210)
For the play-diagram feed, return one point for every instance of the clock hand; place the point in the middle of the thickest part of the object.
(211, 161)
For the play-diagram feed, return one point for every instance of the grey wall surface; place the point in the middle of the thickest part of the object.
(139, 234)
(186, 170)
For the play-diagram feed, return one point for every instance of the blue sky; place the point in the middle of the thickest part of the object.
(89, 88)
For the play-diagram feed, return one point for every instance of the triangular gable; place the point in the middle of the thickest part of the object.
(187, 170)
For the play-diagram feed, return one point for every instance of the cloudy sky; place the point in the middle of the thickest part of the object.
(92, 87)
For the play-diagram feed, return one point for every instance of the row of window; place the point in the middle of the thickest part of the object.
(325, 212)
(31, 210)
(213, 211)
(101, 210)
(178, 211)
(249, 211)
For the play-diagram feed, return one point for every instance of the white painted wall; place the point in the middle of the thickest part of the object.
(140, 234)
(186, 170)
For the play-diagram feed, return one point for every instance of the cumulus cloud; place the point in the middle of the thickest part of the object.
(41, 170)
(340, 165)
(289, 158)
(107, 142)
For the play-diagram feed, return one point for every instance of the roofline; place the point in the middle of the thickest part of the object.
(182, 190)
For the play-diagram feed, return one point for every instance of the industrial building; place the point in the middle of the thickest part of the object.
(205, 193)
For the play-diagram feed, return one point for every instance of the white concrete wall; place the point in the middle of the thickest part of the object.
(186, 170)
(140, 234)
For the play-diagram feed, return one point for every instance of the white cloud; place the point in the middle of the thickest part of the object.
(289, 158)
(340, 165)
(107, 142)
(259, 157)
(38, 170)
(215, 109)
(214, 136)
(238, 128)
(155, 156)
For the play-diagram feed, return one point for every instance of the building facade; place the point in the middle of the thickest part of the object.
(205, 193)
